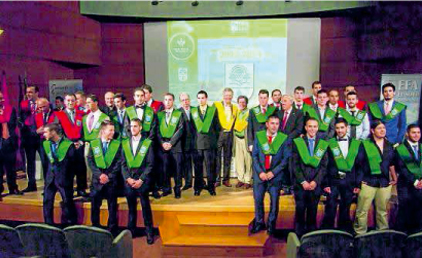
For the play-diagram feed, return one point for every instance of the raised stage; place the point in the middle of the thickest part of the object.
(206, 225)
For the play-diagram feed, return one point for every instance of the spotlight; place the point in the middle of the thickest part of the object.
(239, 3)
(1, 31)
(195, 3)
(154, 2)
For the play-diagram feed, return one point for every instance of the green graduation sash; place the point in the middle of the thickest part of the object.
(102, 161)
(167, 130)
(262, 118)
(344, 164)
(374, 157)
(89, 136)
(60, 152)
(270, 149)
(319, 152)
(324, 124)
(135, 162)
(376, 112)
(147, 118)
(203, 126)
(352, 120)
(407, 157)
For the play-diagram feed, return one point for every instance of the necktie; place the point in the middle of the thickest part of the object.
(72, 116)
(264, 110)
(387, 108)
(32, 107)
(188, 114)
(54, 149)
(168, 114)
(121, 116)
(45, 118)
(91, 122)
(415, 152)
(268, 157)
(353, 127)
(286, 114)
(105, 146)
(311, 146)
(299, 107)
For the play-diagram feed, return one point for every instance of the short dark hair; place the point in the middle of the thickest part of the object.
(340, 120)
(375, 123)
(388, 84)
(36, 88)
(70, 95)
(137, 120)
(273, 117)
(54, 127)
(272, 92)
(202, 92)
(311, 119)
(243, 97)
(322, 91)
(147, 87)
(315, 83)
(263, 91)
(59, 98)
(299, 88)
(120, 96)
(106, 123)
(169, 94)
(333, 90)
(412, 126)
(93, 97)
(351, 94)
(138, 89)
(79, 92)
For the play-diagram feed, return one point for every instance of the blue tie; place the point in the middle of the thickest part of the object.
(415, 150)
(311, 146)
(54, 149)
(104, 147)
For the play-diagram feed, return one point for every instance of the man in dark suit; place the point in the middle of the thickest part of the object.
(310, 163)
(170, 139)
(59, 103)
(323, 114)
(258, 116)
(105, 161)
(136, 170)
(188, 140)
(120, 117)
(409, 185)
(270, 154)
(341, 179)
(156, 105)
(312, 100)
(60, 151)
(109, 107)
(207, 129)
(8, 146)
(276, 97)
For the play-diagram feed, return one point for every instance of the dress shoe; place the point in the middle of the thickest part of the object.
(239, 184)
(186, 187)
(156, 195)
(165, 193)
(15, 192)
(30, 189)
(217, 184)
(81, 193)
(177, 194)
(197, 193)
(150, 238)
(257, 227)
(212, 191)
(270, 230)
(247, 186)
(227, 184)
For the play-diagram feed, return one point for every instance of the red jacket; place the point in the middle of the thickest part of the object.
(308, 101)
(157, 106)
(361, 105)
(73, 131)
(27, 115)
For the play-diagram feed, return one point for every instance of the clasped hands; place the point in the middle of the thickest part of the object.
(134, 183)
(266, 176)
(167, 146)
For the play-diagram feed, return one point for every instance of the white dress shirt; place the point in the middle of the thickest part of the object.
(344, 147)
(139, 113)
(322, 112)
(168, 116)
(96, 115)
(363, 130)
(135, 143)
(333, 107)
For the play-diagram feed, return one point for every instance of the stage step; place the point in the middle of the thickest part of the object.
(213, 234)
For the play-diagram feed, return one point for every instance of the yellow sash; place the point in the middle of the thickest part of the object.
(241, 121)
(227, 125)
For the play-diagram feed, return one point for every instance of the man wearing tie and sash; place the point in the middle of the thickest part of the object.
(409, 185)
(105, 161)
(310, 163)
(258, 116)
(391, 113)
(270, 154)
(169, 136)
(119, 116)
(60, 152)
(136, 170)
(358, 120)
(344, 165)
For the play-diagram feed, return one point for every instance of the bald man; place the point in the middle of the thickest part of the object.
(109, 108)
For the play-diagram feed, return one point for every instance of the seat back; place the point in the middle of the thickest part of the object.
(326, 243)
(87, 241)
(43, 240)
(413, 246)
(10, 243)
(382, 243)
(123, 245)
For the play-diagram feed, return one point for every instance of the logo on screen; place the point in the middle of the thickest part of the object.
(181, 46)
(183, 74)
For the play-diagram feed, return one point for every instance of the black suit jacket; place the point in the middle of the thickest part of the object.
(61, 173)
(10, 144)
(406, 178)
(207, 141)
(144, 171)
(307, 173)
(189, 132)
(294, 125)
(121, 128)
(106, 110)
(152, 134)
(331, 128)
(112, 172)
(176, 140)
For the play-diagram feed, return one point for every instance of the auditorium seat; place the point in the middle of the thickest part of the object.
(380, 244)
(10, 243)
(413, 246)
(43, 240)
(321, 243)
(87, 242)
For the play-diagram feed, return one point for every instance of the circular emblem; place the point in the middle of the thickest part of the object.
(181, 46)
(360, 116)
(336, 152)
(173, 120)
(96, 151)
(148, 119)
(78, 123)
(327, 120)
(194, 115)
(266, 147)
(319, 153)
(97, 126)
(143, 150)
(394, 112)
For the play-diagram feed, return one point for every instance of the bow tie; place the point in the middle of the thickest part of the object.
(342, 139)
(140, 106)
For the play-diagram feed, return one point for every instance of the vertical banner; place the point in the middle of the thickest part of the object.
(408, 92)
(61, 87)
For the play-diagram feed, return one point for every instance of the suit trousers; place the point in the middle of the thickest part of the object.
(346, 197)
(7, 164)
(187, 166)
(366, 196)
(81, 168)
(242, 161)
(259, 190)
(225, 147)
(68, 208)
(306, 209)
(199, 157)
(109, 192)
(409, 213)
(131, 196)
(171, 165)
(31, 148)
(44, 160)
